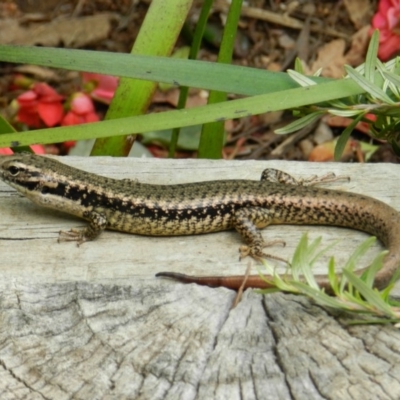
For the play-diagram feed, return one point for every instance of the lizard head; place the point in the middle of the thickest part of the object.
(25, 172)
(47, 182)
(34, 176)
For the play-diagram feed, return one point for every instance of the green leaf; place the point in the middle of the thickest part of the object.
(355, 256)
(324, 250)
(372, 55)
(6, 127)
(333, 278)
(372, 296)
(188, 139)
(157, 36)
(344, 137)
(395, 79)
(178, 118)
(338, 104)
(298, 65)
(276, 278)
(375, 266)
(301, 79)
(194, 49)
(318, 296)
(370, 88)
(345, 113)
(300, 123)
(178, 72)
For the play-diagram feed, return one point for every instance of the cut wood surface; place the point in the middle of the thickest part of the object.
(92, 322)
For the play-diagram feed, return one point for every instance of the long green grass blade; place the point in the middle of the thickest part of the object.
(146, 123)
(177, 72)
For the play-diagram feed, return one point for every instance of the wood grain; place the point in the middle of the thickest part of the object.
(93, 322)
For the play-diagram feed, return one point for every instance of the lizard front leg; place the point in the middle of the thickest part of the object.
(97, 224)
(247, 222)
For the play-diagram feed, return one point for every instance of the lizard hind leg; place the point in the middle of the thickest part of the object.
(246, 222)
(277, 176)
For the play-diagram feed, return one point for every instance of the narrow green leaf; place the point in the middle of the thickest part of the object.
(298, 257)
(194, 49)
(373, 90)
(324, 250)
(345, 113)
(301, 79)
(300, 123)
(178, 72)
(301, 266)
(344, 137)
(360, 250)
(212, 135)
(375, 266)
(372, 296)
(339, 104)
(6, 127)
(392, 77)
(319, 296)
(298, 66)
(318, 72)
(333, 278)
(372, 55)
(276, 278)
(178, 118)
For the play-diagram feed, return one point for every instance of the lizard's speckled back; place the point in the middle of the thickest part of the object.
(202, 207)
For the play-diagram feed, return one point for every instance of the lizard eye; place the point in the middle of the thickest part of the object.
(13, 170)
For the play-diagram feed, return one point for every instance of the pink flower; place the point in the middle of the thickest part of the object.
(41, 104)
(387, 21)
(100, 87)
(81, 110)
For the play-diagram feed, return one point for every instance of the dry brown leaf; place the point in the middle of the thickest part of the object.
(331, 59)
(360, 12)
(359, 43)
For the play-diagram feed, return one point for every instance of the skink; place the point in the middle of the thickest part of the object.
(201, 207)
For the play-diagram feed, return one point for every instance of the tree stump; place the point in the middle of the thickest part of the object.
(92, 322)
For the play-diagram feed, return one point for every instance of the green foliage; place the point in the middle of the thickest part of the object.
(157, 36)
(371, 89)
(291, 98)
(378, 106)
(212, 135)
(352, 293)
(194, 49)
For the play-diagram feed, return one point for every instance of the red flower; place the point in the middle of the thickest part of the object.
(387, 21)
(5, 151)
(81, 110)
(100, 87)
(40, 104)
